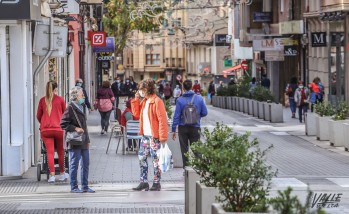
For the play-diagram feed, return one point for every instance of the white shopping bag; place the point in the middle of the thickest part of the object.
(165, 158)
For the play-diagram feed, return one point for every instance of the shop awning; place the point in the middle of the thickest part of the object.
(229, 70)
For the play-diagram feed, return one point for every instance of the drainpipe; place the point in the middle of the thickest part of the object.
(36, 72)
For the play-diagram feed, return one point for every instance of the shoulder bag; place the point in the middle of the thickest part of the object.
(75, 138)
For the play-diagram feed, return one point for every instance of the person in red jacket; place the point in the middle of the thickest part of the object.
(50, 110)
(126, 116)
(197, 87)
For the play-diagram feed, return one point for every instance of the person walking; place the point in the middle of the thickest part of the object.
(74, 119)
(265, 81)
(301, 97)
(177, 93)
(128, 88)
(197, 87)
(188, 132)
(167, 91)
(211, 91)
(49, 114)
(133, 85)
(317, 92)
(290, 90)
(252, 86)
(80, 83)
(117, 88)
(153, 127)
(104, 102)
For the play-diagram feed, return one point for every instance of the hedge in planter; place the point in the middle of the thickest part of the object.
(262, 94)
(236, 166)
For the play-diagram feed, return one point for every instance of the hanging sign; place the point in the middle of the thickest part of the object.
(109, 47)
(318, 39)
(244, 65)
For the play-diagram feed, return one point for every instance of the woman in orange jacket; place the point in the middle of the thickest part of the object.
(154, 128)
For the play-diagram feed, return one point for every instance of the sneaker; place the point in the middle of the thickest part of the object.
(89, 190)
(77, 190)
(52, 179)
(102, 132)
(63, 177)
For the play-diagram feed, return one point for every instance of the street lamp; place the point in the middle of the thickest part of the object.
(69, 48)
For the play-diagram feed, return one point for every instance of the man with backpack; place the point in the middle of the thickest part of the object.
(301, 98)
(190, 107)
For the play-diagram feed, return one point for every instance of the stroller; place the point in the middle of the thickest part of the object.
(42, 167)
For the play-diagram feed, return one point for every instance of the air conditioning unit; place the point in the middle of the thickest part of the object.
(91, 2)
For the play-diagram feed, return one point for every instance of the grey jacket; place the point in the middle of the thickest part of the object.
(69, 123)
(298, 95)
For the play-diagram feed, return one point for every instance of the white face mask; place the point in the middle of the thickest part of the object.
(141, 93)
(301, 86)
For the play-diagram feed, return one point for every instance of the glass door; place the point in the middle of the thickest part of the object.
(336, 74)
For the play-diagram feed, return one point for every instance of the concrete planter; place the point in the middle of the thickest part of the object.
(214, 101)
(229, 101)
(205, 196)
(276, 113)
(246, 104)
(337, 132)
(237, 103)
(241, 104)
(250, 107)
(218, 209)
(346, 136)
(255, 108)
(310, 124)
(191, 177)
(261, 110)
(322, 128)
(267, 111)
(225, 106)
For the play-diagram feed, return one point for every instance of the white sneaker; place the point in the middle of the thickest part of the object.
(63, 177)
(52, 179)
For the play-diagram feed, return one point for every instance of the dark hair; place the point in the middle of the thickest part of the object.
(148, 84)
(106, 84)
(253, 80)
(131, 78)
(187, 85)
(294, 80)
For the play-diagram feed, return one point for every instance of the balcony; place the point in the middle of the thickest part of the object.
(334, 5)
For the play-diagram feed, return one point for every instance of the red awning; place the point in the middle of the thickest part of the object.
(229, 70)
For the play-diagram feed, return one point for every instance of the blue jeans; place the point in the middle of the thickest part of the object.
(74, 158)
(149, 146)
(293, 105)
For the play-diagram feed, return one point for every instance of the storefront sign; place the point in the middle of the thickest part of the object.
(228, 63)
(290, 51)
(98, 39)
(221, 38)
(109, 47)
(318, 39)
(274, 56)
(267, 45)
(291, 27)
(41, 40)
(109, 58)
(20, 9)
(262, 16)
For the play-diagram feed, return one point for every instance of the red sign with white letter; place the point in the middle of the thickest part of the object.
(98, 39)
(244, 65)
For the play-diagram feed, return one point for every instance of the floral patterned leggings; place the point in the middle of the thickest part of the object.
(149, 146)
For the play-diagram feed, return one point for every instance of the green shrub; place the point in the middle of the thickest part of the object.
(204, 93)
(168, 108)
(341, 111)
(230, 90)
(284, 203)
(235, 165)
(324, 109)
(262, 94)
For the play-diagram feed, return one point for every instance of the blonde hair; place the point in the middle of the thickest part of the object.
(50, 87)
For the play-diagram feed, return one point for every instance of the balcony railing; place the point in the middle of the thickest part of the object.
(335, 5)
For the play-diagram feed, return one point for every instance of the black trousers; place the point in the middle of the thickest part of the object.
(105, 120)
(187, 135)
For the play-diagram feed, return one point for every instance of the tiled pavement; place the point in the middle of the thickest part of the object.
(300, 164)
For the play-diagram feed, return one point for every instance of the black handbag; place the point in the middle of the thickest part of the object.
(75, 138)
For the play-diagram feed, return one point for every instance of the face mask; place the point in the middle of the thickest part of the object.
(127, 81)
(81, 101)
(79, 84)
(118, 81)
(141, 93)
(301, 86)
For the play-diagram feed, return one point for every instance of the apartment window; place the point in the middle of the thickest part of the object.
(152, 59)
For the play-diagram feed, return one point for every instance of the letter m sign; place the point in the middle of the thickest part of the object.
(318, 39)
(98, 39)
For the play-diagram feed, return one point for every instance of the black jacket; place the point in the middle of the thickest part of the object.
(69, 123)
(116, 90)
